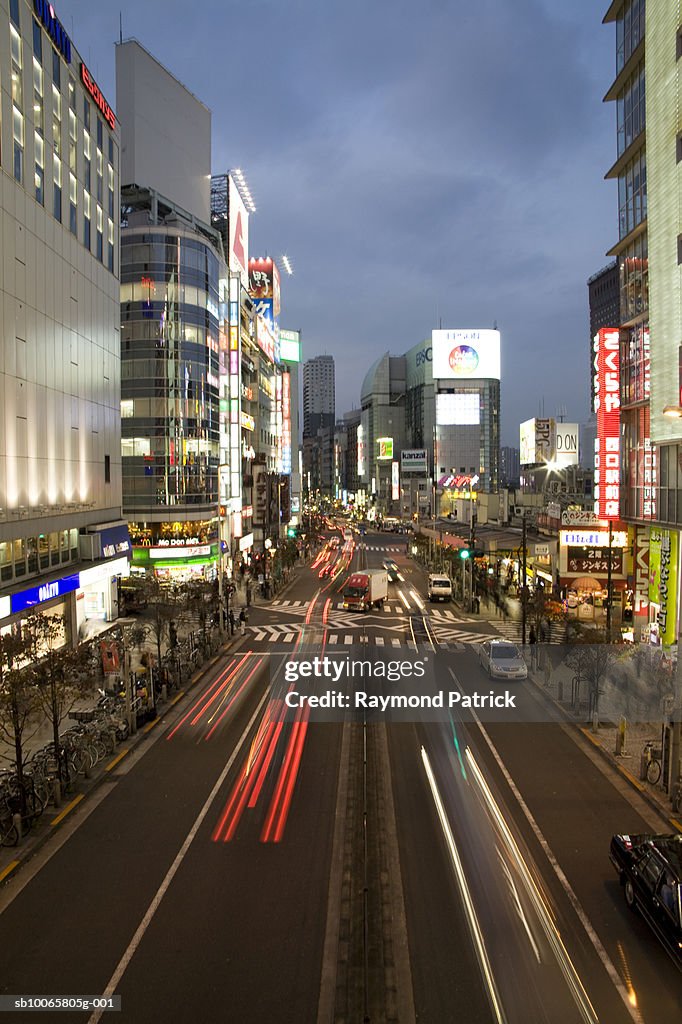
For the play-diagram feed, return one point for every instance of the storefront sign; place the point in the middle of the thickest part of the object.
(97, 573)
(198, 551)
(246, 542)
(5, 607)
(176, 542)
(663, 555)
(395, 481)
(542, 549)
(413, 460)
(45, 592)
(641, 588)
(579, 517)
(115, 541)
(594, 561)
(594, 538)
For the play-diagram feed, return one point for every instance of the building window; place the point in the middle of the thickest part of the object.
(18, 132)
(57, 206)
(631, 110)
(56, 69)
(111, 150)
(56, 120)
(87, 180)
(86, 114)
(100, 235)
(99, 133)
(37, 40)
(86, 220)
(37, 95)
(110, 189)
(110, 245)
(40, 168)
(73, 204)
(14, 11)
(632, 195)
(107, 469)
(99, 175)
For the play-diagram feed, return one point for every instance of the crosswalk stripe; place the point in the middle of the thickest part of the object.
(285, 603)
(348, 639)
(289, 637)
(395, 642)
(379, 640)
(333, 639)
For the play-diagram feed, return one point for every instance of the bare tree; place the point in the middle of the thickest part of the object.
(56, 672)
(18, 699)
(591, 662)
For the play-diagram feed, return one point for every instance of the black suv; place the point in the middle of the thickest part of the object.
(650, 869)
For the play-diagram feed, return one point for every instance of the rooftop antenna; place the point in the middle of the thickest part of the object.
(120, 26)
(494, 325)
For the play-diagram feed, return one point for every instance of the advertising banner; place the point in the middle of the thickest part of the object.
(290, 346)
(663, 559)
(466, 354)
(238, 257)
(606, 383)
(413, 460)
(395, 481)
(537, 441)
(566, 444)
(641, 567)
(260, 494)
(384, 448)
(264, 281)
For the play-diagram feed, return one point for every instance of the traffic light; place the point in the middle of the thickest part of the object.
(291, 531)
(464, 553)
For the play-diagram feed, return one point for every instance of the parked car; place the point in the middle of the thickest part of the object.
(502, 660)
(650, 871)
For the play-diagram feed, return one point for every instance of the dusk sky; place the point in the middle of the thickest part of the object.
(418, 162)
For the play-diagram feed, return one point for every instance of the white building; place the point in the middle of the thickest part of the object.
(60, 437)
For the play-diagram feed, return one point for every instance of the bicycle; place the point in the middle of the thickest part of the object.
(653, 765)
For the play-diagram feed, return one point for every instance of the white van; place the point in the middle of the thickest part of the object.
(440, 587)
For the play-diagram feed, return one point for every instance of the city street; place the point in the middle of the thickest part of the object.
(207, 878)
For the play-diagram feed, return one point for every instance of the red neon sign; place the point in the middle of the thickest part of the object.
(607, 406)
(96, 93)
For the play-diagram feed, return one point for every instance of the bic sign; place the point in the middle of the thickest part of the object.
(54, 28)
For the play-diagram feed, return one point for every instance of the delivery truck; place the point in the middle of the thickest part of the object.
(365, 590)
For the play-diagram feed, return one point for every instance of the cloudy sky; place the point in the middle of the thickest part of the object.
(438, 161)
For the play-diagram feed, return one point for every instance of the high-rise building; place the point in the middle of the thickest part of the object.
(382, 429)
(319, 394)
(510, 466)
(60, 442)
(319, 417)
(172, 265)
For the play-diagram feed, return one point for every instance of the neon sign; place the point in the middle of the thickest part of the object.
(96, 93)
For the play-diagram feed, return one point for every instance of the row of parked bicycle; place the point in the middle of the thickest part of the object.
(81, 747)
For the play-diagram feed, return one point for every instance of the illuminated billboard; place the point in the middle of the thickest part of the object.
(286, 423)
(238, 257)
(413, 460)
(536, 442)
(566, 444)
(264, 281)
(290, 346)
(362, 451)
(606, 383)
(395, 481)
(458, 410)
(465, 355)
(384, 448)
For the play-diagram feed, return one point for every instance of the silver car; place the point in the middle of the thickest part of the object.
(502, 660)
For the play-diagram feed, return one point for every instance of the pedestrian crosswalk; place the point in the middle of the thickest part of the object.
(289, 632)
(395, 548)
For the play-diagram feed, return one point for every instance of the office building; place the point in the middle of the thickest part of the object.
(63, 544)
(319, 417)
(172, 266)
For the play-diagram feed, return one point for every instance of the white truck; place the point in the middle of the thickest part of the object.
(440, 587)
(365, 590)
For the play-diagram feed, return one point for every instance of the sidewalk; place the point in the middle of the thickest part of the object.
(555, 683)
(12, 857)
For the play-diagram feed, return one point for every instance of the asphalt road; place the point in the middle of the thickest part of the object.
(218, 874)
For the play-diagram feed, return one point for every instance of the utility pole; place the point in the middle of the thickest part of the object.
(609, 570)
(523, 578)
(472, 537)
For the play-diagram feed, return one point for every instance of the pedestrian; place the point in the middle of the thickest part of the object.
(533, 640)
(230, 616)
(477, 605)
(242, 622)
(248, 595)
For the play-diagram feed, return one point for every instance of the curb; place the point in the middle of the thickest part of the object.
(654, 803)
